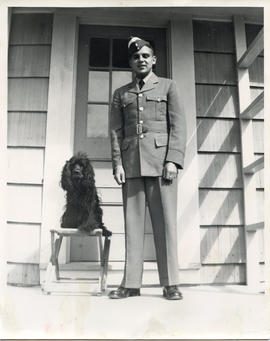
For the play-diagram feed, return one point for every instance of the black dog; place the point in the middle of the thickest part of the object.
(83, 209)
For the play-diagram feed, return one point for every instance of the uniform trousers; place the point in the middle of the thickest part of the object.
(161, 197)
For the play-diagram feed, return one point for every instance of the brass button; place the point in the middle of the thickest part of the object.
(141, 136)
(141, 108)
(141, 122)
(140, 95)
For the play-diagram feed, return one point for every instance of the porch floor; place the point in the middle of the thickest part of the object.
(206, 311)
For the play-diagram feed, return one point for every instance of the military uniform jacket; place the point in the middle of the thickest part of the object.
(147, 127)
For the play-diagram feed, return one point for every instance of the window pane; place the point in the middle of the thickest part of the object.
(120, 53)
(99, 52)
(98, 88)
(97, 120)
(120, 78)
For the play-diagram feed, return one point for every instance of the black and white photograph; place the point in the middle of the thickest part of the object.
(132, 198)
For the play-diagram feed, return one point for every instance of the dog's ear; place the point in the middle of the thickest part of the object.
(66, 182)
(89, 175)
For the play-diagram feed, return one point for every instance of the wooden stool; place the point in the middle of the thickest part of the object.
(53, 282)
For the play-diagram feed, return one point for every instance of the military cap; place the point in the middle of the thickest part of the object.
(135, 44)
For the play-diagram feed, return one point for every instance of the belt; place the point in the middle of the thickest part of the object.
(147, 127)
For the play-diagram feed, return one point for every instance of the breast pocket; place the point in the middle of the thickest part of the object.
(128, 104)
(159, 105)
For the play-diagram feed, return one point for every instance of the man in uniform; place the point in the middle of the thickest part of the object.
(148, 137)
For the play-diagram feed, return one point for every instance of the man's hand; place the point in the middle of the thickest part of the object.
(119, 175)
(169, 171)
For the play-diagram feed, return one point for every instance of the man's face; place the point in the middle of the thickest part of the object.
(142, 61)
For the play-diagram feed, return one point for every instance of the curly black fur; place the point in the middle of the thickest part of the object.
(83, 209)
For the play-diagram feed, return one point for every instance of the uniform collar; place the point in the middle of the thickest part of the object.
(150, 83)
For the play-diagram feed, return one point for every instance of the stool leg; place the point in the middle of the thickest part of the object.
(54, 243)
(50, 275)
(58, 243)
(52, 248)
(100, 247)
(104, 264)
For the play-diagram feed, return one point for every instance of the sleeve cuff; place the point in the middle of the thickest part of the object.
(176, 157)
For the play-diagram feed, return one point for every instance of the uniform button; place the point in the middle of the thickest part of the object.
(141, 122)
(140, 95)
(141, 108)
(141, 136)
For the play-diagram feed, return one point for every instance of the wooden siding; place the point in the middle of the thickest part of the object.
(30, 162)
(28, 72)
(23, 274)
(258, 131)
(23, 242)
(221, 207)
(251, 32)
(220, 274)
(255, 92)
(259, 176)
(26, 129)
(220, 170)
(260, 204)
(24, 203)
(256, 74)
(217, 135)
(220, 245)
(215, 68)
(29, 61)
(31, 29)
(216, 101)
(207, 36)
(27, 94)
(220, 187)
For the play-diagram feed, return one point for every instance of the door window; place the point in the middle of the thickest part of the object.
(108, 70)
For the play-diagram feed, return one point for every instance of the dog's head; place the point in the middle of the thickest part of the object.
(77, 172)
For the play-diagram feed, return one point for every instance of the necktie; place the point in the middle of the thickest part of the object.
(141, 83)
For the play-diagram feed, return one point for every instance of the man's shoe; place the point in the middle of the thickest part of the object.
(171, 292)
(122, 292)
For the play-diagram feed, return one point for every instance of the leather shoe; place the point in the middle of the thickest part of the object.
(171, 292)
(122, 292)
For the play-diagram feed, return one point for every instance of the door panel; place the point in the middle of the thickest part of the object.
(102, 68)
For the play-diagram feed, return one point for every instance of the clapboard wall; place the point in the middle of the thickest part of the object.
(28, 79)
(220, 183)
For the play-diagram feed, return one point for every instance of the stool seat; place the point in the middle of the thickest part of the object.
(75, 232)
(53, 281)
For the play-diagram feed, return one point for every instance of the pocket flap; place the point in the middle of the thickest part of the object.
(161, 140)
(156, 98)
(128, 100)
